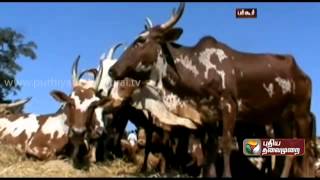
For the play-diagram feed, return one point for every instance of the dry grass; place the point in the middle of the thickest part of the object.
(13, 164)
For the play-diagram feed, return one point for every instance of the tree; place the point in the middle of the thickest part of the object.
(12, 46)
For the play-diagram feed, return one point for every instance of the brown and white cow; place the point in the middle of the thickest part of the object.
(41, 136)
(87, 107)
(218, 79)
(45, 136)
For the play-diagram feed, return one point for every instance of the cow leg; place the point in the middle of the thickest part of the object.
(303, 121)
(279, 160)
(92, 152)
(283, 129)
(182, 149)
(287, 166)
(74, 154)
(287, 131)
(211, 152)
(147, 149)
(162, 164)
(228, 116)
(273, 162)
(41, 153)
(120, 128)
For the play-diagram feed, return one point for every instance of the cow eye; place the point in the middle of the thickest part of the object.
(72, 105)
(94, 104)
(140, 41)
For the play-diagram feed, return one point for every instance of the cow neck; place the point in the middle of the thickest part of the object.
(168, 57)
(62, 110)
(172, 72)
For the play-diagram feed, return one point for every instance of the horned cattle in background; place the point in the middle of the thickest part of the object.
(13, 107)
(223, 85)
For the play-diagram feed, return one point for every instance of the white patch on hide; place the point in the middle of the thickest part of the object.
(28, 125)
(172, 101)
(55, 124)
(187, 63)
(284, 84)
(268, 88)
(85, 104)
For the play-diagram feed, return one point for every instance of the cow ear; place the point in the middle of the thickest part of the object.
(172, 34)
(105, 102)
(59, 96)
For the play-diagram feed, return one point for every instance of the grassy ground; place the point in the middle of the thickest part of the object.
(13, 164)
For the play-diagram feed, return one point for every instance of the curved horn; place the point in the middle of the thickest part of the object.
(93, 71)
(174, 18)
(112, 50)
(103, 56)
(99, 76)
(75, 78)
(18, 103)
(148, 23)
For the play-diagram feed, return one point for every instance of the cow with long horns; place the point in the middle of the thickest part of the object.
(216, 78)
(142, 107)
(86, 110)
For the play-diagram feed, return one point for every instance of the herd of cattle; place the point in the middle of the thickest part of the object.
(193, 107)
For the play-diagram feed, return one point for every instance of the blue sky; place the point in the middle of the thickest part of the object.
(64, 30)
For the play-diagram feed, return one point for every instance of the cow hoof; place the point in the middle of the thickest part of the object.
(227, 176)
(81, 165)
(143, 169)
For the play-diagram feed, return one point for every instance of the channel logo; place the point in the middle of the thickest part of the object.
(252, 147)
(270, 147)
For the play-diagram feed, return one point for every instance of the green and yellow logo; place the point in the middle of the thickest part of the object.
(252, 147)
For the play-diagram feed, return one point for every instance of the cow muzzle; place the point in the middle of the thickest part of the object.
(77, 135)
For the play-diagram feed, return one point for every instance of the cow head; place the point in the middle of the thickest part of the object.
(83, 108)
(141, 56)
(13, 108)
(117, 91)
(106, 83)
